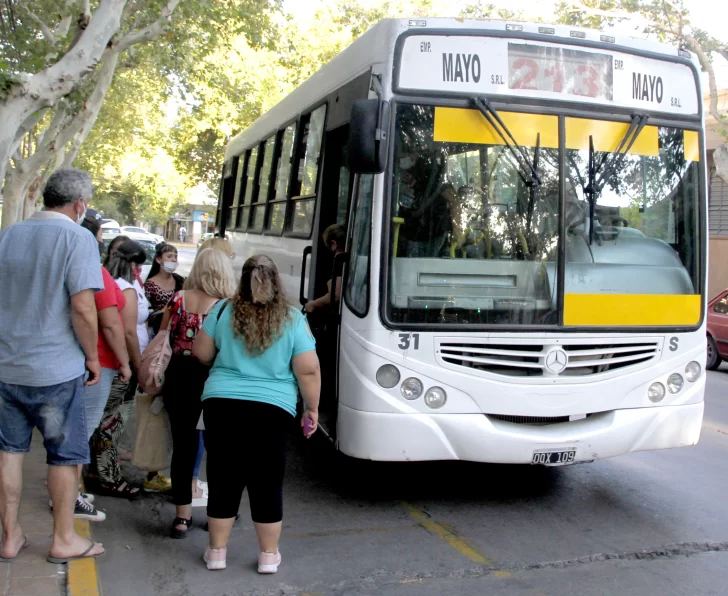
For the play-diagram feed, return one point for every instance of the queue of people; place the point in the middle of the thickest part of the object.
(70, 357)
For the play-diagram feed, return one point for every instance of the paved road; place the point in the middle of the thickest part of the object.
(642, 524)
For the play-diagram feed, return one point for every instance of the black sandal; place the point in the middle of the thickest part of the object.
(122, 490)
(177, 533)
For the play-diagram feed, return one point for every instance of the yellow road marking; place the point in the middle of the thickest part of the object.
(83, 577)
(502, 574)
(444, 534)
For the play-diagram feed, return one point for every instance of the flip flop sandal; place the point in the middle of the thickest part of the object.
(22, 546)
(177, 533)
(84, 555)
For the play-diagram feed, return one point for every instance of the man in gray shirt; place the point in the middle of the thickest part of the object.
(49, 267)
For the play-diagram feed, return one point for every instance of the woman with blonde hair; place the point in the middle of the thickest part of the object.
(210, 280)
(219, 244)
(263, 354)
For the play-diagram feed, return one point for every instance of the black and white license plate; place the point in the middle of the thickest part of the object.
(558, 457)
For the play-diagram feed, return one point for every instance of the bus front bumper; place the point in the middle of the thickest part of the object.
(475, 437)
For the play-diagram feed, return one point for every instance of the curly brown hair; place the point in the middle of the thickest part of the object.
(260, 306)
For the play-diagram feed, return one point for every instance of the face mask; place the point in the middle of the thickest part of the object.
(138, 275)
(169, 266)
(80, 219)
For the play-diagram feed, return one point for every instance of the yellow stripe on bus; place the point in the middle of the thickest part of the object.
(457, 125)
(607, 135)
(692, 145)
(631, 310)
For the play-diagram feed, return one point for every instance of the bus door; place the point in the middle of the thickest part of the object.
(335, 193)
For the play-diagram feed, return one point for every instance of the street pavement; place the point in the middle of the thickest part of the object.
(642, 524)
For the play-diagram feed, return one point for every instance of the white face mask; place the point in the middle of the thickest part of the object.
(80, 219)
(169, 266)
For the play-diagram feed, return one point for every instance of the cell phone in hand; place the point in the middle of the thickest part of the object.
(307, 427)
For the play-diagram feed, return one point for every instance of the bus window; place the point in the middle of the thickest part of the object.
(302, 213)
(264, 179)
(277, 216)
(640, 235)
(284, 163)
(305, 183)
(239, 181)
(308, 172)
(356, 292)
(472, 241)
(244, 211)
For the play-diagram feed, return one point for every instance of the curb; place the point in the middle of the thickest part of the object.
(83, 576)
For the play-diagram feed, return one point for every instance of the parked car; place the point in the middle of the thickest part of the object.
(136, 233)
(110, 229)
(717, 330)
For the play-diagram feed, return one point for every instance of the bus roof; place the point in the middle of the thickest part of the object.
(376, 46)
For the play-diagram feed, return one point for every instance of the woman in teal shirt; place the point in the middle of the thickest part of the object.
(263, 354)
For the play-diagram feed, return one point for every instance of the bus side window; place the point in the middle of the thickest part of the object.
(356, 292)
(305, 184)
(244, 210)
(239, 173)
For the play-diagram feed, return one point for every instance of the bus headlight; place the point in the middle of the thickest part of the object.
(675, 382)
(692, 371)
(435, 397)
(388, 376)
(411, 388)
(656, 392)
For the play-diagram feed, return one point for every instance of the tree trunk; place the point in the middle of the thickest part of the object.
(720, 158)
(32, 94)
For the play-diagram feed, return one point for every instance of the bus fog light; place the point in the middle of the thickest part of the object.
(435, 397)
(656, 392)
(692, 371)
(411, 388)
(675, 382)
(388, 376)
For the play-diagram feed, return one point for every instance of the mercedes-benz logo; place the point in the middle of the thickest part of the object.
(556, 361)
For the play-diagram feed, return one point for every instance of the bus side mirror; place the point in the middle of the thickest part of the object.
(368, 134)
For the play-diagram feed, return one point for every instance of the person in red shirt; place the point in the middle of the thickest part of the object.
(113, 356)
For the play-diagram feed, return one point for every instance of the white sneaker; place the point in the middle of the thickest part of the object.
(269, 562)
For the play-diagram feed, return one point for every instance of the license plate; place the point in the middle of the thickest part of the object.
(547, 457)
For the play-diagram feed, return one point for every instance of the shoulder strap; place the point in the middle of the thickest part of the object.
(224, 306)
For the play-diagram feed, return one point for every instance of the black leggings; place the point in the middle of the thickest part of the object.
(246, 447)
(184, 381)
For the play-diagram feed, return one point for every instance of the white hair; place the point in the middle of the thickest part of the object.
(66, 186)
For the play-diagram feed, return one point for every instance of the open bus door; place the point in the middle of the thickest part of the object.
(325, 267)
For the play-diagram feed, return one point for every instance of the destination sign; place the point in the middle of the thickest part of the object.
(486, 65)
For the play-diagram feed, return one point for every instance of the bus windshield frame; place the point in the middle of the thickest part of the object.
(570, 168)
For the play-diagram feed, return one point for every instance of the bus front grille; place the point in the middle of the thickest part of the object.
(530, 420)
(568, 358)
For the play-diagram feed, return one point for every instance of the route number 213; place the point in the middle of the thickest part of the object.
(406, 339)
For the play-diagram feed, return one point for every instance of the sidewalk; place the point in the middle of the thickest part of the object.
(29, 574)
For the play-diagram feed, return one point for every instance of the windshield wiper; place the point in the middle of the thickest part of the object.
(528, 168)
(608, 165)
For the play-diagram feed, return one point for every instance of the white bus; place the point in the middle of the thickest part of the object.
(525, 216)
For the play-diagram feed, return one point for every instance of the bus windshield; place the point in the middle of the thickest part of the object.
(475, 236)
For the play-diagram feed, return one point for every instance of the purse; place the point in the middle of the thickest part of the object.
(155, 361)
